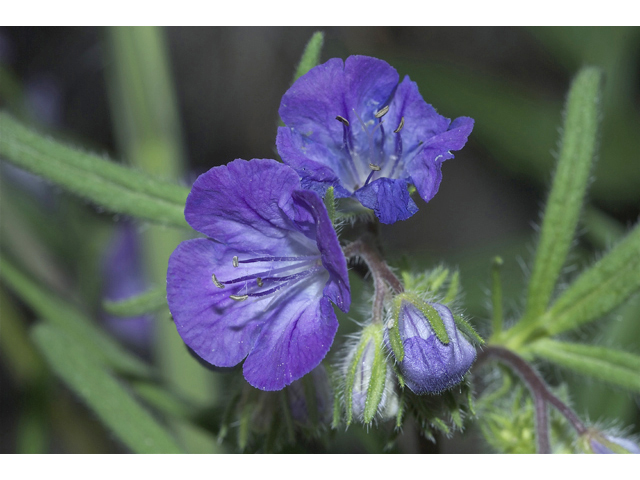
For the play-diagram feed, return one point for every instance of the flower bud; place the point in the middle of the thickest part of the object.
(369, 389)
(597, 442)
(431, 354)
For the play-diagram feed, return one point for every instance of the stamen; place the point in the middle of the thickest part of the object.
(239, 298)
(382, 112)
(285, 281)
(259, 281)
(374, 167)
(390, 324)
(215, 281)
(343, 120)
(276, 259)
(235, 261)
(397, 130)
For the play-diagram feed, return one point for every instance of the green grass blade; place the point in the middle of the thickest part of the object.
(147, 302)
(115, 407)
(69, 319)
(568, 190)
(105, 183)
(311, 56)
(612, 366)
(600, 289)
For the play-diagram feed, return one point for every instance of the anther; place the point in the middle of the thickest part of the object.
(235, 261)
(390, 324)
(343, 120)
(216, 282)
(259, 281)
(374, 167)
(238, 298)
(399, 126)
(382, 112)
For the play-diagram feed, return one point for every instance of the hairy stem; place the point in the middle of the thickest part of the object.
(540, 392)
(380, 271)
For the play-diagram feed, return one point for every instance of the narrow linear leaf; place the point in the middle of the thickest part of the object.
(147, 302)
(565, 201)
(70, 320)
(311, 56)
(611, 366)
(600, 289)
(105, 183)
(117, 409)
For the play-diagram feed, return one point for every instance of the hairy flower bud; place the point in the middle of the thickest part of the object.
(369, 390)
(431, 354)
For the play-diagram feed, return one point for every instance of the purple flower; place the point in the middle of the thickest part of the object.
(352, 126)
(123, 278)
(259, 286)
(608, 444)
(428, 364)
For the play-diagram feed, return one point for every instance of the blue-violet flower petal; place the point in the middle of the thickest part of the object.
(352, 126)
(260, 286)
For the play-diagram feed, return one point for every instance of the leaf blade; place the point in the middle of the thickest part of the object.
(611, 366)
(107, 184)
(117, 409)
(565, 201)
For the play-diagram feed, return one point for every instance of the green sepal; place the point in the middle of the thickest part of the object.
(466, 328)
(401, 409)
(246, 413)
(440, 424)
(378, 376)
(147, 302)
(453, 408)
(330, 203)
(395, 340)
(471, 403)
(430, 313)
(311, 56)
(399, 376)
(351, 376)
(454, 288)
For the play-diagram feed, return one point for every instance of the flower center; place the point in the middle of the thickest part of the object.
(366, 160)
(270, 275)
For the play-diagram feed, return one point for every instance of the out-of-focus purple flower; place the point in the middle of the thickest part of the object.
(123, 277)
(311, 398)
(430, 365)
(609, 444)
(352, 126)
(260, 286)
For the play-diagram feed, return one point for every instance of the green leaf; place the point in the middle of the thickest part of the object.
(105, 183)
(612, 366)
(496, 297)
(150, 301)
(567, 192)
(74, 323)
(115, 407)
(600, 289)
(311, 56)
